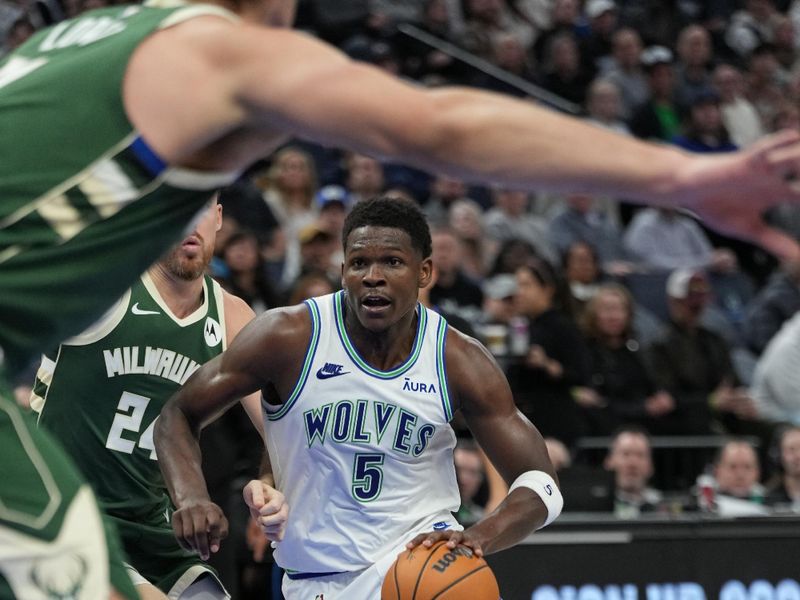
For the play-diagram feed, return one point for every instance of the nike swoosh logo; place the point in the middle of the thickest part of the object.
(140, 311)
(323, 375)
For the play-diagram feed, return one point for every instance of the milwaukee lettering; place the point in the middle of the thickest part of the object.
(157, 361)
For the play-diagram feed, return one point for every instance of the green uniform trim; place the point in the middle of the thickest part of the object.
(311, 350)
(352, 352)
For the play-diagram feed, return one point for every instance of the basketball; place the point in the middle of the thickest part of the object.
(439, 572)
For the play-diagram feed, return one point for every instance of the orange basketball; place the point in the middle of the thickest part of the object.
(441, 573)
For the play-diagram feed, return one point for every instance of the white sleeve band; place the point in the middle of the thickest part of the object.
(545, 487)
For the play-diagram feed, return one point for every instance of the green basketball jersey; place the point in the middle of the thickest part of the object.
(85, 204)
(101, 393)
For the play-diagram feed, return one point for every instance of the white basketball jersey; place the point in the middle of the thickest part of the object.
(364, 457)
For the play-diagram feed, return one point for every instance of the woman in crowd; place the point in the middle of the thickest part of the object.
(556, 359)
(621, 389)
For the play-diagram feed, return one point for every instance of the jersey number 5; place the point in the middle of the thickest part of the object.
(367, 477)
(130, 412)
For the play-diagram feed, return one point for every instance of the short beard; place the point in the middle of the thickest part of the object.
(185, 268)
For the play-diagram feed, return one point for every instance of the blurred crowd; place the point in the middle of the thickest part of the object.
(615, 322)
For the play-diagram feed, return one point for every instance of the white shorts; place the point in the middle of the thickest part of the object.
(352, 585)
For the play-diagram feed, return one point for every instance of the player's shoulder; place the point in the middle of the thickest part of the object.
(471, 368)
(464, 348)
(285, 324)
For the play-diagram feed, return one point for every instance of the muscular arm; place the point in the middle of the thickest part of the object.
(272, 82)
(237, 315)
(511, 442)
(249, 364)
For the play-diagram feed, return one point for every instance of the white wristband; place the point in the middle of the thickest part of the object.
(545, 487)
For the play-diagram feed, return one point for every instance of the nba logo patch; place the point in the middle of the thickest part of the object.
(212, 332)
(441, 525)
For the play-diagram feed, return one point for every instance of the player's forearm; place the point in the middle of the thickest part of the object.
(519, 515)
(178, 449)
(486, 135)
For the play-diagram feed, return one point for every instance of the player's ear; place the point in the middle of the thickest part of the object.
(425, 273)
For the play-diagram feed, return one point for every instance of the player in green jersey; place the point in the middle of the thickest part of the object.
(116, 124)
(100, 394)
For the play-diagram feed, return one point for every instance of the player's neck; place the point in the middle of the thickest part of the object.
(385, 349)
(182, 296)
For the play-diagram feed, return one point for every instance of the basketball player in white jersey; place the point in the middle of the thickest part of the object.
(359, 388)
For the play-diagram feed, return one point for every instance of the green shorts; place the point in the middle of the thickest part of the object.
(52, 542)
(154, 553)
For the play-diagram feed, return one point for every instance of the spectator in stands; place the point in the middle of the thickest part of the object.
(583, 276)
(511, 255)
(751, 27)
(333, 204)
(738, 114)
(694, 364)
(510, 218)
(658, 118)
(319, 251)
(621, 390)
(467, 221)
(630, 458)
(289, 186)
(776, 302)
(784, 43)
(602, 16)
(486, 19)
(246, 274)
(498, 300)
(565, 17)
(765, 83)
(364, 177)
(579, 220)
(604, 106)
(444, 192)
(310, 285)
(776, 382)
(509, 54)
(559, 454)
(18, 33)
(557, 359)
(626, 70)
(663, 238)
(470, 476)
(243, 204)
(703, 130)
(563, 73)
(454, 292)
(693, 71)
(784, 490)
(420, 60)
(737, 473)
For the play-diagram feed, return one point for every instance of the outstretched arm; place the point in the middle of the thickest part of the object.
(511, 442)
(272, 82)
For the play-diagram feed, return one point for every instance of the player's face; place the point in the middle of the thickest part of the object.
(189, 259)
(381, 275)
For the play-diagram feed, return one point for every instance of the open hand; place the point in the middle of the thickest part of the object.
(731, 192)
(453, 538)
